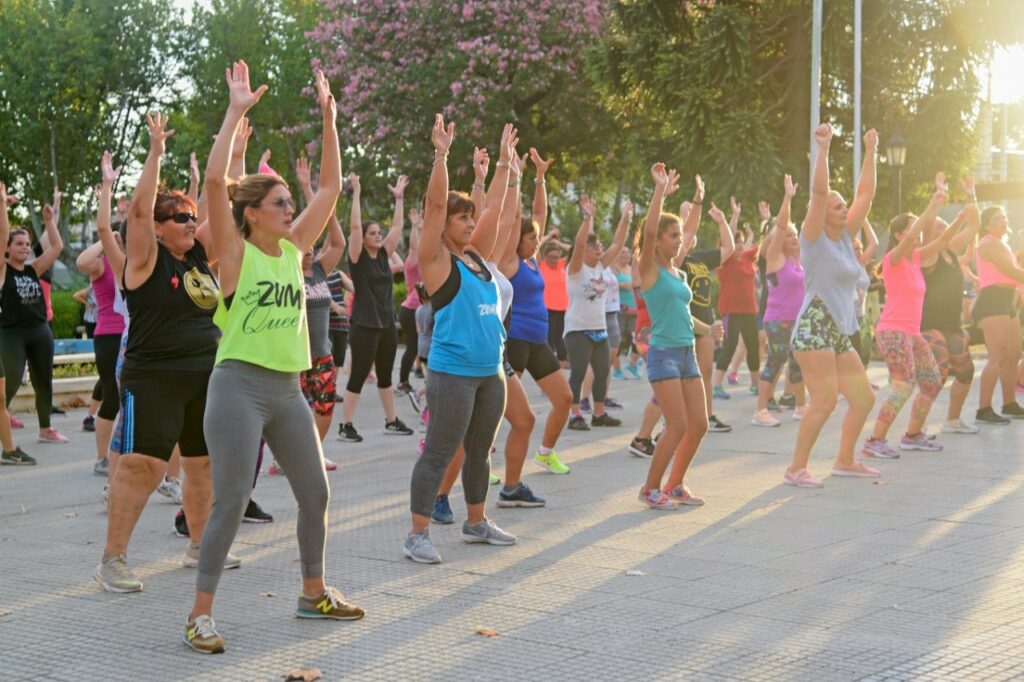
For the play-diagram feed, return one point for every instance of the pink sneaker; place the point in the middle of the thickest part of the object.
(274, 470)
(655, 499)
(857, 470)
(421, 445)
(425, 416)
(15, 424)
(330, 465)
(682, 495)
(802, 478)
(51, 435)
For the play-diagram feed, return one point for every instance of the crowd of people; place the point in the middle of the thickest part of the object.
(223, 317)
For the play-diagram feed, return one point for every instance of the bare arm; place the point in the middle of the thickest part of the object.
(814, 222)
(580, 243)
(775, 258)
(5, 227)
(200, 199)
(911, 237)
(113, 252)
(861, 205)
(967, 236)
(53, 242)
(398, 217)
(506, 250)
(140, 245)
(434, 261)
(481, 161)
(236, 168)
(416, 219)
(486, 231)
(539, 212)
(90, 261)
(611, 254)
(870, 244)
(726, 240)
(355, 221)
(691, 218)
(663, 186)
(396, 262)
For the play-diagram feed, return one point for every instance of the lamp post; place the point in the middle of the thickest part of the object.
(896, 155)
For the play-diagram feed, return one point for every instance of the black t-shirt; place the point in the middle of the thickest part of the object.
(21, 302)
(698, 266)
(373, 305)
(943, 295)
(172, 315)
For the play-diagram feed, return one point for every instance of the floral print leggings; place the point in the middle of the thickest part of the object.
(910, 360)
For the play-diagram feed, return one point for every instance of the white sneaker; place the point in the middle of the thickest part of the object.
(170, 488)
(798, 412)
(958, 426)
(191, 559)
(763, 418)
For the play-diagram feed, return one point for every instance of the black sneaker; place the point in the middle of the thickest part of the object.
(1013, 410)
(717, 425)
(987, 415)
(520, 496)
(403, 388)
(605, 420)
(255, 514)
(348, 433)
(418, 373)
(17, 457)
(89, 423)
(578, 423)
(338, 398)
(642, 447)
(788, 400)
(56, 410)
(180, 524)
(396, 428)
(774, 406)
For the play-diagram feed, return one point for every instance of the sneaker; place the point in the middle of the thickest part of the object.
(330, 465)
(958, 426)
(52, 435)
(1013, 410)
(15, 424)
(802, 478)
(274, 469)
(89, 423)
(414, 400)
(612, 404)
(763, 418)
(338, 398)
(181, 524)
(858, 470)
(418, 373)
(348, 433)
(57, 410)
(617, 374)
(551, 462)
(442, 511)
(486, 532)
(420, 549)
(798, 412)
(520, 496)
(987, 415)
(682, 495)
(17, 457)
(396, 428)
(201, 635)
(774, 406)
(717, 425)
(493, 479)
(733, 378)
(425, 416)
(101, 467)
(632, 369)
(578, 423)
(642, 447)
(788, 400)
(879, 448)
(403, 388)
(255, 514)
(190, 559)
(585, 405)
(753, 390)
(170, 488)
(655, 499)
(421, 446)
(718, 393)
(605, 419)
(331, 604)
(115, 576)
(920, 442)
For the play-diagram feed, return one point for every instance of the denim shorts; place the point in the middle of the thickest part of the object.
(671, 363)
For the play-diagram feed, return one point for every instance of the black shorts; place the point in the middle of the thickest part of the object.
(536, 358)
(992, 301)
(162, 408)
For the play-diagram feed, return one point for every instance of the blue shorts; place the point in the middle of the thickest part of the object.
(671, 363)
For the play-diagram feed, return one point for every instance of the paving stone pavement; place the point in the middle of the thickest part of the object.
(914, 577)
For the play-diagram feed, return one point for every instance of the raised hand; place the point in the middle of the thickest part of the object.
(716, 214)
(588, 206)
(158, 133)
(264, 158)
(508, 148)
(481, 162)
(242, 135)
(660, 175)
(193, 168)
(398, 189)
(441, 135)
(698, 192)
(673, 182)
(539, 162)
(871, 139)
(788, 187)
(764, 210)
(416, 218)
(627, 212)
(940, 183)
(324, 97)
(353, 180)
(302, 172)
(109, 173)
(57, 196)
(734, 206)
(240, 95)
(823, 134)
(967, 184)
(519, 164)
(684, 210)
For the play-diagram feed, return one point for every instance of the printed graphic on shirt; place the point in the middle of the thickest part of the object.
(272, 305)
(29, 291)
(594, 289)
(319, 291)
(700, 282)
(201, 288)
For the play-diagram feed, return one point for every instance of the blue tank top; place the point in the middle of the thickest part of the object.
(626, 297)
(668, 302)
(469, 338)
(529, 314)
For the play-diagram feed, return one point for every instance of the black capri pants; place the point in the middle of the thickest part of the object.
(33, 345)
(107, 347)
(339, 344)
(737, 324)
(407, 318)
(372, 348)
(556, 330)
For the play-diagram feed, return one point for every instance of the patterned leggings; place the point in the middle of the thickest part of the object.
(780, 349)
(909, 359)
(952, 353)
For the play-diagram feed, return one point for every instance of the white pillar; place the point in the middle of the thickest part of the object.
(857, 127)
(815, 83)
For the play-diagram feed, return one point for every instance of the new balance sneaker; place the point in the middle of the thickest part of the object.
(486, 532)
(718, 393)
(348, 433)
(551, 462)
(617, 374)
(585, 405)
(52, 435)
(396, 428)
(605, 419)
(612, 404)
(919, 442)
(442, 511)
(682, 495)
(632, 369)
(190, 559)
(764, 418)
(255, 514)
(655, 499)
(987, 415)
(578, 423)
(331, 604)
(642, 447)
(201, 635)
(717, 425)
(89, 423)
(115, 576)
(170, 488)
(17, 457)
(420, 549)
(181, 524)
(788, 400)
(1013, 410)
(101, 467)
(879, 448)
(520, 496)
(958, 426)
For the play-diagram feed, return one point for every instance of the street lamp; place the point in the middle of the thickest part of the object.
(896, 155)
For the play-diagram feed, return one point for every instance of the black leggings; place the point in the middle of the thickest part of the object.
(339, 344)
(556, 327)
(737, 324)
(372, 348)
(407, 318)
(34, 345)
(107, 347)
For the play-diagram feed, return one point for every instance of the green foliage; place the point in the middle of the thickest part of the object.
(67, 314)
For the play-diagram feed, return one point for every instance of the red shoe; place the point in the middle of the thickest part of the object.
(329, 465)
(15, 424)
(273, 469)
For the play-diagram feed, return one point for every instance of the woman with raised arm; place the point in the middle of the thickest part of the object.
(784, 279)
(254, 388)
(821, 340)
(466, 354)
(407, 311)
(863, 339)
(373, 336)
(12, 454)
(25, 335)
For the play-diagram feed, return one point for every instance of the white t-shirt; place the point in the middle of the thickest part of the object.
(587, 289)
(611, 298)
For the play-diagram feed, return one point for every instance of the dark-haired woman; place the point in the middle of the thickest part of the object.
(12, 454)
(372, 336)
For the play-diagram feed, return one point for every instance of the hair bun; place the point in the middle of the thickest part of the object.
(232, 188)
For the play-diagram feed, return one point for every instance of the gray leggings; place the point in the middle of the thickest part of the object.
(246, 402)
(468, 411)
(584, 351)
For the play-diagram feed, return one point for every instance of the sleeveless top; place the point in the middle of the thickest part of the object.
(785, 293)
(668, 303)
(264, 321)
(468, 338)
(626, 297)
(988, 274)
(944, 289)
(374, 304)
(612, 303)
(904, 295)
(172, 314)
(529, 314)
(587, 289)
(318, 311)
(413, 276)
(556, 295)
(831, 272)
(21, 300)
(108, 320)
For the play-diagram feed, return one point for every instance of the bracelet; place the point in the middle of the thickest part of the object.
(478, 185)
(502, 164)
(538, 181)
(438, 152)
(513, 185)
(697, 203)
(440, 159)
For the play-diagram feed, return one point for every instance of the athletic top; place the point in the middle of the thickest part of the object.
(172, 314)
(108, 320)
(413, 276)
(904, 300)
(424, 329)
(318, 311)
(831, 271)
(529, 314)
(89, 314)
(737, 292)
(988, 274)
(668, 302)
(626, 297)
(264, 321)
(338, 322)
(21, 300)
(587, 290)
(374, 304)
(698, 265)
(611, 296)
(785, 293)
(943, 292)
(468, 338)
(506, 292)
(556, 295)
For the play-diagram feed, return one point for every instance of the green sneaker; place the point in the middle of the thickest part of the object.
(551, 462)
(495, 480)
(331, 604)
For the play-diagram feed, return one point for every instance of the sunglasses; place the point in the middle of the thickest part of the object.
(283, 203)
(180, 218)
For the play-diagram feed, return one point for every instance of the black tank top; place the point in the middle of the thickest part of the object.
(943, 296)
(373, 304)
(172, 315)
(21, 301)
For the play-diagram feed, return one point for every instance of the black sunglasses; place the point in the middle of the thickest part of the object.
(180, 218)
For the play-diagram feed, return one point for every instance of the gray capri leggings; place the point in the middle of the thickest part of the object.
(583, 351)
(611, 321)
(471, 412)
(246, 402)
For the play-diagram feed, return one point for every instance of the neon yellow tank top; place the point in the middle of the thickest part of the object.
(265, 323)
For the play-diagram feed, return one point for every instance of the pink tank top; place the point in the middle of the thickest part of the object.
(108, 320)
(988, 273)
(904, 295)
